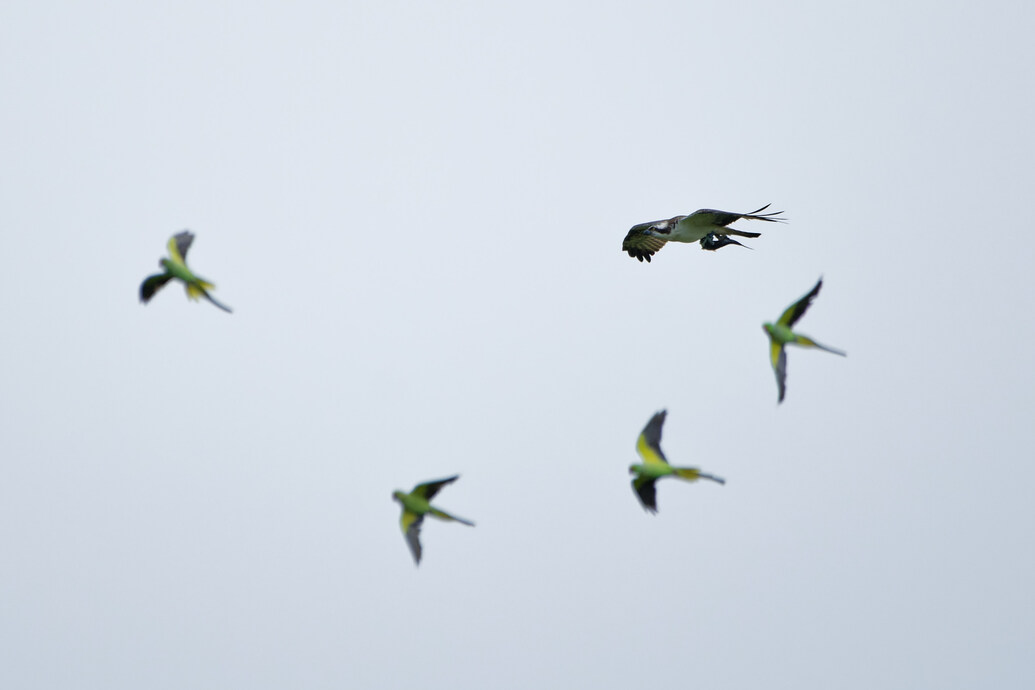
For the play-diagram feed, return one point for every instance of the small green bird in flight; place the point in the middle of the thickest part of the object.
(780, 334)
(417, 504)
(655, 465)
(706, 225)
(176, 267)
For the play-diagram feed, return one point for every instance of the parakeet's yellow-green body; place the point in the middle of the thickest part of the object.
(780, 335)
(655, 465)
(176, 267)
(417, 504)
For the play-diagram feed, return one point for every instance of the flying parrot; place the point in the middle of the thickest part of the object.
(780, 334)
(417, 504)
(655, 465)
(176, 267)
(707, 226)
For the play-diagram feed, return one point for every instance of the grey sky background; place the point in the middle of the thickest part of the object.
(416, 213)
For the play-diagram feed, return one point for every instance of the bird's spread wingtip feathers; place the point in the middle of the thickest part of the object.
(640, 244)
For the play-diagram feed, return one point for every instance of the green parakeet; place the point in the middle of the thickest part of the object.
(655, 465)
(780, 335)
(417, 504)
(176, 267)
(706, 225)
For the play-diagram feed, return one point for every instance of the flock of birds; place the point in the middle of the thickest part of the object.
(709, 227)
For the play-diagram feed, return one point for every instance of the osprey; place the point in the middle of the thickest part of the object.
(655, 465)
(707, 226)
(417, 504)
(176, 267)
(780, 334)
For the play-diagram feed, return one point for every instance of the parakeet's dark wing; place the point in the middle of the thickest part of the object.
(153, 284)
(778, 357)
(797, 310)
(648, 445)
(179, 244)
(644, 490)
(427, 490)
(410, 523)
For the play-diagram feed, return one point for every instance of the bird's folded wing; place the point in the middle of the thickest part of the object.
(709, 217)
(712, 217)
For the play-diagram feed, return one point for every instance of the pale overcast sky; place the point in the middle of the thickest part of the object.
(416, 212)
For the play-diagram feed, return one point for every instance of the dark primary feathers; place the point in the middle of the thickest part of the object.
(640, 246)
(780, 369)
(652, 433)
(647, 493)
(413, 538)
(797, 310)
(153, 284)
(183, 242)
(427, 490)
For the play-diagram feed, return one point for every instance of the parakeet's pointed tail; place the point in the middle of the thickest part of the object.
(222, 306)
(805, 341)
(692, 474)
(443, 515)
(200, 289)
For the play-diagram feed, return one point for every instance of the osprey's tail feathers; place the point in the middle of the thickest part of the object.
(771, 216)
